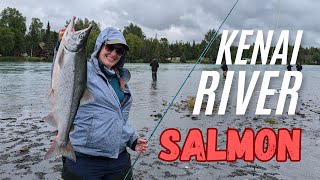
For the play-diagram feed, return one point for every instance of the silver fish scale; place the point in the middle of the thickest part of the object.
(69, 82)
(70, 85)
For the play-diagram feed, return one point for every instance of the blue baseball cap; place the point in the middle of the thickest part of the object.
(110, 35)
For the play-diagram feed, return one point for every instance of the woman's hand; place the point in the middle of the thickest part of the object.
(141, 146)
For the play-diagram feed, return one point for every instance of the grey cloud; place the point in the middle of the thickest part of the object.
(155, 15)
(181, 19)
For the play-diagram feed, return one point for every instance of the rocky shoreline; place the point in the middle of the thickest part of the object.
(25, 140)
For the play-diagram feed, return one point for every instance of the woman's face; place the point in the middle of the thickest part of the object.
(110, 54)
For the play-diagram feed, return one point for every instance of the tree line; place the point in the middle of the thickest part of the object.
(17, 40)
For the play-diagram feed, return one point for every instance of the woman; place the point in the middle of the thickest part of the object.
(101, 128)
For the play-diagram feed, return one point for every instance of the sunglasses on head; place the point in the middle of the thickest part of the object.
(111, 47)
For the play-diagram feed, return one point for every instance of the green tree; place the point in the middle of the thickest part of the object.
(197, 50)
(234, 50)
(53, 42)
(34, 34)
(214, 48)
(82, 24)
(316, 58)
(6, 41)
(92, 41)
(155, 45)
(79, 24)
(135, 43)
(164, 49)
(46, 36)
(13, 19)
(183, 58)
(95, 31)
(194, 51)
(187, 50)
(175, 49)
(47, 39)
(133, 29)
(147, 50)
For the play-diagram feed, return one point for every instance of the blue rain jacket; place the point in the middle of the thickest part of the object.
(101, 128)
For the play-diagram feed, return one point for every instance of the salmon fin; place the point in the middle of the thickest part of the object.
(51, 92)
(66, 151)
(51, 120)
(51, 96)
(87, 97)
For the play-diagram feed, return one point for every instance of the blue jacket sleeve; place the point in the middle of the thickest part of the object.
(55, 50)
(128, 128)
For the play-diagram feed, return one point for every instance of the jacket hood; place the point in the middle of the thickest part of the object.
(111, 35)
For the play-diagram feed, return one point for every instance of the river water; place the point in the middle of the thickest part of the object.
(24, 85)
(23, 99)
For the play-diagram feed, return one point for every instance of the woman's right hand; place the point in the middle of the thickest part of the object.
(61, 32)
(141, 146)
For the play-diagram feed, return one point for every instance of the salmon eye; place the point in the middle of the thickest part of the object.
(81, 36)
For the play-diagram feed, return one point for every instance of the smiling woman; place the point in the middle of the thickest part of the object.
(110, 54)
(102, 131)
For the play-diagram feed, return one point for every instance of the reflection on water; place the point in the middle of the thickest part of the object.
(23, 88)
(153, 85)
(24, 85)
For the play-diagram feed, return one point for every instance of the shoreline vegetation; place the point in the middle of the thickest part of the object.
(41, 59)
(23, 59)
(38, 40)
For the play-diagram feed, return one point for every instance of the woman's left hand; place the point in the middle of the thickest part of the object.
(141, 146)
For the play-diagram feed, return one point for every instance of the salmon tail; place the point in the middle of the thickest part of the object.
(66, 151)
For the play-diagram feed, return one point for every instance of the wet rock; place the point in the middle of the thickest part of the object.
(10, 119)
(24, 151)
(194, 118)
(301, 114)
(159, 115)
(238, 172)
(40, 175)
(167, 174)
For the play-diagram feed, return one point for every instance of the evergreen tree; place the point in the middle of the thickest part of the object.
(34, 33)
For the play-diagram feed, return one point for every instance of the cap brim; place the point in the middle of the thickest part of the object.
(114, 41)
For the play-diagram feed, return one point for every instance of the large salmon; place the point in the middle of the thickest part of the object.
(69, 87)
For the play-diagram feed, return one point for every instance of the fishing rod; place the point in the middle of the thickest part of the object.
(198, 61)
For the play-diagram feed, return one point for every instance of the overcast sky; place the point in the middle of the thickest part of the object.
(184, 20)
